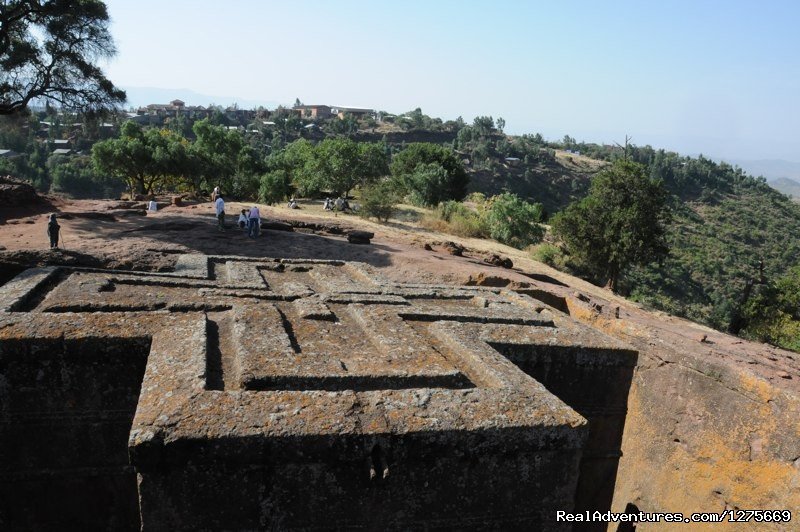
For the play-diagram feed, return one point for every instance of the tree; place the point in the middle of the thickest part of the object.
(501, 124)
(341, 164)
(483, 124)
(773, 314)
(379, 200)
(48, 50)
(275, 186)
(127, 157)
(217, 152)
(513, 221)
(142, 158)
(621, 222)
(336, 164)
(430, 173)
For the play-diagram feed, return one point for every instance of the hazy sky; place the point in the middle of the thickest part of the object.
(721, 78)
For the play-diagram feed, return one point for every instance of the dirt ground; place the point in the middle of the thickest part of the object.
(118, 234)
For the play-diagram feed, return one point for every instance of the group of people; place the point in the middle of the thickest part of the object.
(249, 221)
(340, 204)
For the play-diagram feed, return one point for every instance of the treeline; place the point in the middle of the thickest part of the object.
(151, 160)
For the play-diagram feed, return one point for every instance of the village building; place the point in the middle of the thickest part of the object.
(314, 112)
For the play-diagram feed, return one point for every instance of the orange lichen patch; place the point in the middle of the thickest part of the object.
(717, 466)
(759, 387)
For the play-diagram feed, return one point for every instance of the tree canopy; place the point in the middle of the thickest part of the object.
(430, 173)
(336, 165)
(141, 157)
(514, 221)
(49, 50)
(621, 222)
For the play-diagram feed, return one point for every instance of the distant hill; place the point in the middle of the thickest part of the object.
(787, 186)
(141, 96)
(772, 169)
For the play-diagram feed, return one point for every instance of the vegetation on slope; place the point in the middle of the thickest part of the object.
(732, 238)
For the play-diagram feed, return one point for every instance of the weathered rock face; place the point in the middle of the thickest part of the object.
(298, 394)
(712, 421)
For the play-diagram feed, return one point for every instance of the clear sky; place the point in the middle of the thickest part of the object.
(721, 78)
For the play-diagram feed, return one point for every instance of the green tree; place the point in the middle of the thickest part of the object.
(379, 200)
(144, 159)
(216, 152)
(513, 221)
(621, 222)
(336, 164)
(430, 173)
(48, 50)
(127, 157)
(484, 125)
(773, 314)
(275, 186)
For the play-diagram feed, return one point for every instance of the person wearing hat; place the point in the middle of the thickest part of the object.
(52, 231)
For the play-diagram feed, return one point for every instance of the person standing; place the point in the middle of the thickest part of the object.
(219, 204)
(52, 231)
(254, 220)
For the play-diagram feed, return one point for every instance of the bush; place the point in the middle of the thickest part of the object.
(275, 187)
(448, 209)
(468, 225)
(430, 173)
(379, 200)
(245, 187)
(76, 177)
(549, 254)
(457, 219)
(513, 221)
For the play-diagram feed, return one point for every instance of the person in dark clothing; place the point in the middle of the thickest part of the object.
(52, 231)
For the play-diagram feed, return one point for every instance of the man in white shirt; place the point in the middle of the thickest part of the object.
(219, 205)
(254, 218)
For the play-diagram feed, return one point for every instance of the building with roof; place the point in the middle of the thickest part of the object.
(314, 112)
(358, 112)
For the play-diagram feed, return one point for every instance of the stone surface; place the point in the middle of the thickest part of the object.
(497, 260)
(711, 423)
(284, 394)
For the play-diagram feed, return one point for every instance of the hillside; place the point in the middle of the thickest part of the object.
(724, 223)
(787, 186)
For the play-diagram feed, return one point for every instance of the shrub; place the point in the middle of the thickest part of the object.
(379, 200)
(549, 254)
(275, 187)
(446, 210)
(468, 225)
(245, 187)
(457, 219)
(430, 173)
(513, 221)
